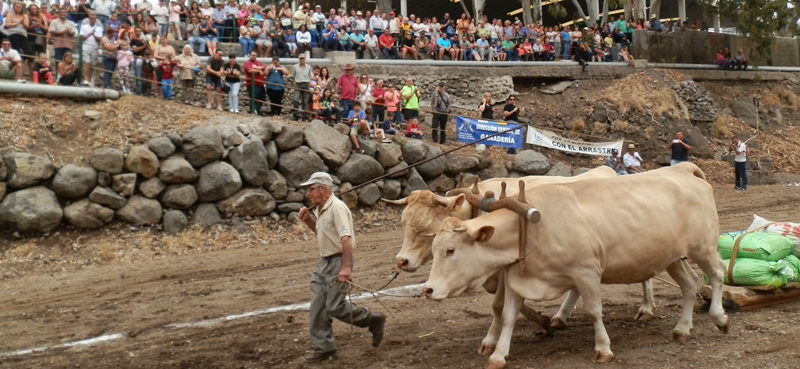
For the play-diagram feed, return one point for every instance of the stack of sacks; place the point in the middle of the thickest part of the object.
(764, 259)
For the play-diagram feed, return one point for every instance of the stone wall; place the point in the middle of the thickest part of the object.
(250, 168)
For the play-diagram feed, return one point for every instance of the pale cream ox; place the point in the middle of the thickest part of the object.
(588, 234)
(422, 219)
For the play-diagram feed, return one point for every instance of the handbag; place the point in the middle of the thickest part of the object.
(286, 22)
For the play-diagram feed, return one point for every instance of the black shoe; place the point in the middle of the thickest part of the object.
(320, 356)
(376, 328)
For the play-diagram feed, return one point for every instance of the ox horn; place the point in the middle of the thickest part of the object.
(440, 200)
(401, 202)
(475, 189)
(502, 190)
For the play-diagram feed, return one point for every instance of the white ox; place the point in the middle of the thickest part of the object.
(423, 217)
(615, 230)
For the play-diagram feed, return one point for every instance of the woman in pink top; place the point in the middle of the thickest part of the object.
(392, 99)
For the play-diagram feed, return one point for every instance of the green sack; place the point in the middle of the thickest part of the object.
(794, 265)
(757, 245)
(754, 272)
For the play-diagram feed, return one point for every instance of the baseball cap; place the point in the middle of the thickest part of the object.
(614, 151)
(319, 178)
(302, 56)
(391, 13)
(441, 84)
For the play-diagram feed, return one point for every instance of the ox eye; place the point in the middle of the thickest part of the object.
(450, 251)
(430, 235)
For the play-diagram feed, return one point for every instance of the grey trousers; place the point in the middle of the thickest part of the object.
(327, 302)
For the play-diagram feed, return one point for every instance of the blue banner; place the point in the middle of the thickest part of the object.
(469, 130)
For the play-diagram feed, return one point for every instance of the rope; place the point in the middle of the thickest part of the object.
(347, 287)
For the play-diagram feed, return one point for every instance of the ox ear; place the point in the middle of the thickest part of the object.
(440, 201)
(485, 233)
(459, 202)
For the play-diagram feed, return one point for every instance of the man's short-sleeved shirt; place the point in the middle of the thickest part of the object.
(629, 160)
(348, 86)
(513, 117)
(679, 152)
(334, 222)
(413, 102)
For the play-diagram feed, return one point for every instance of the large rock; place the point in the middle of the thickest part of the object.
(531, 162)
(359, 169)
(248, 202)
(369, 194)
(250, 158)
(290, 207)
(26, 170)
(414, 183)
(390, 155)
(297, 165)
(176, 170)
(174, 222)
(262, 129)
(231, 136)
(414, 151)
(272, 154)
(218, 180)
(392, 189)
(398, 171)
(142, 161)
(87, 215)
(460, 164)
(124, 183)
(202, 145)
(433, 168)
(107, 160)
(176, 139)
(105, 196)
(579, 171)
(369, 146)
(349, 197)
(151, 188)
(276, 184)
(140, 211)
(179, 196)
(441, 184)
(34, 209)
(74, 181)
(333, 148)
(290, 137)
(3, 190)
(560, 170)
(206, 215)
(496, 170)
(163, 147)
(746, 111)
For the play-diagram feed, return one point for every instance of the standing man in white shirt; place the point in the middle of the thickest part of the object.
(91, 33)
(632, 160)
(739, 162)
(103, 10)
(161, 14)
(376, 23)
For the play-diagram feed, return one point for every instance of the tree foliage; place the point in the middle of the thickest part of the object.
(760, 20)
(557, 11)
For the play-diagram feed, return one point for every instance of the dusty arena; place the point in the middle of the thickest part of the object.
(241, 307)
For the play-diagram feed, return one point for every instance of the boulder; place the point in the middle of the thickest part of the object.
(176, 170)
(140, 211)
(261, 128)
(142, 161)
(107, 160)
(414, 151)
(73, 181)
(369, 194)
(369, 146)
(33, 209)
(392, 189)
(349, 198)
(87, 215)
(248, 202)
(579, 171)
(531, 162)
(26, 170)
(3, 190)
(433, 168)
(342, 128)
(151, 188)
(290, 207)
(176, 139)
(272, 154)
(359, 169)
(290, 137)
(297, 165)
(390, 155)
(459, 164)
(333, 148)
(496, 170)
(107, 197)
(218, 180)
(163, 147)
(746, 111)
(250, 159)
(560, 170)
(206, 215)
(515, 174)
(124, 183)
(231, 136)
(180, 196)
(294, 196)
(467, 180)
(202, 145)
(103, 179)
(398, 171)
(174, 222)
(414, 183)
(276, 184)
(441, 184)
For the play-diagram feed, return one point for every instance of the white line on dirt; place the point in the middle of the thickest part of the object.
(202, 323)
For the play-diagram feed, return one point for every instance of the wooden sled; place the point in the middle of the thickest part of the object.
(744, 298)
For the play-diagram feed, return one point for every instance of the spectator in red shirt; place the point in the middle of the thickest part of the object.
(254, 69)
(346, 87)
(413, 130)
(379, 106)
(165, 67)
(386, 43)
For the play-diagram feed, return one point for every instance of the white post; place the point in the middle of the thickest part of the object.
(294, 5)
(344, 5)
(715, 21)
(682, 10)
(404, 7)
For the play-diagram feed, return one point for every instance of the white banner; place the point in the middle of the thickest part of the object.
(551, 140)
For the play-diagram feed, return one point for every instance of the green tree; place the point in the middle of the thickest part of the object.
(760, 20)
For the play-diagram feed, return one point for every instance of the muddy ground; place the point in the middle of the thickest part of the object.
(142, 298)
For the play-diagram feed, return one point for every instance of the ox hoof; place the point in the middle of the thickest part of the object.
(643, 317)
(602, 358)
(557, 323)
(678, 337)
(486, 349)
(495, 365)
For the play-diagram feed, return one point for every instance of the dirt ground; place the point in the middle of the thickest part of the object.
(141, 297)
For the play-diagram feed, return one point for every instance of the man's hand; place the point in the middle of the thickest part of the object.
(304, 214)
(345, 274)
